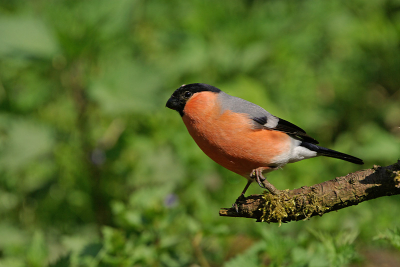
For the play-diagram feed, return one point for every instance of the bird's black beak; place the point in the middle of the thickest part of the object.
(172, 103)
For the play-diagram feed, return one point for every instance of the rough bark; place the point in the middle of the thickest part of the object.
(306, 202)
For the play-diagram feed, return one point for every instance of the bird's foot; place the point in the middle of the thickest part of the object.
(239, 199)
(263, 182)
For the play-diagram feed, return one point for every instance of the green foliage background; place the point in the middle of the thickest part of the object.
(95, 171)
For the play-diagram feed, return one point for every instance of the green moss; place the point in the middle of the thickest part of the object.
(278, 207)
(376, 167)
(396, 178)
(314, 205)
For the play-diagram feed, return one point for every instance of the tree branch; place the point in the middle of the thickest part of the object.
(306, 202)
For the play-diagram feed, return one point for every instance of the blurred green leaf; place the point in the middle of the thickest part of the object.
(64, 261)
(392, 236)
(37, 251)
(27, 36)
(25, 141)
(125, 87)
(248, 258)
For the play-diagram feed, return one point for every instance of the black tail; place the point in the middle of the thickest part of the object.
(322, 151)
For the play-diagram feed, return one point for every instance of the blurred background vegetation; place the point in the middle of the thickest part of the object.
(95, 171)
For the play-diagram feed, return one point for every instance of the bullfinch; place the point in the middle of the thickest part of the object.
(242, 136)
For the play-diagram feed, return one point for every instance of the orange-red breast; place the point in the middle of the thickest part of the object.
(242, 136)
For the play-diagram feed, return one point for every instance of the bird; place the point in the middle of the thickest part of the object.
(242, 136)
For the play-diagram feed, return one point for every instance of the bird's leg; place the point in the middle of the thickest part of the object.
(262, 181)
(241, 197)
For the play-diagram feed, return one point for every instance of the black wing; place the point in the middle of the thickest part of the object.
(289, 128)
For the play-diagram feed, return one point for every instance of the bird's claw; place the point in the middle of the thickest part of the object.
(258, 177)
(262, 181)
(235, 205)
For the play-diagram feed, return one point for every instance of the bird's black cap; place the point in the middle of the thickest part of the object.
(181, 95)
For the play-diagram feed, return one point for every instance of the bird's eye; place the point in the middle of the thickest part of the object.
(187, 94)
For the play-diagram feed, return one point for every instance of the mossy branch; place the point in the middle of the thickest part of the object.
(306, 202)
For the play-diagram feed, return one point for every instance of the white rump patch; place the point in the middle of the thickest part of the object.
(300, 153)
